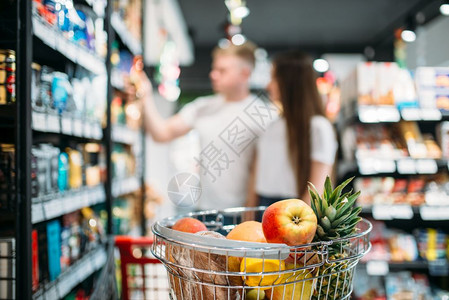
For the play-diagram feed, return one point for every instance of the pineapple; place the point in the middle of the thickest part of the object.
(337, 218)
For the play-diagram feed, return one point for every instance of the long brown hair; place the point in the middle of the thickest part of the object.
(301, 101)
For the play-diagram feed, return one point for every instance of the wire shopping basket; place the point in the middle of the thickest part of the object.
(206, 267)
(142, 277)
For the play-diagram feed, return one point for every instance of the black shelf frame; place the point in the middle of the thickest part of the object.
(17, 118)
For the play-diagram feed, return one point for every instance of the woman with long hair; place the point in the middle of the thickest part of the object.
(300, 146)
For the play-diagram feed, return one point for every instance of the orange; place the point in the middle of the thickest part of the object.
(249, 231)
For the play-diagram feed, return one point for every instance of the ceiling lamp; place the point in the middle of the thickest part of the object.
(320, 65)
(444, 8)
(237, 10)
(408, 33)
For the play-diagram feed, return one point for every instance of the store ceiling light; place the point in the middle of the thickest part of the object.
(408, 36)
(444, 8)
(240, 12)
(238, 39)
(321, 65)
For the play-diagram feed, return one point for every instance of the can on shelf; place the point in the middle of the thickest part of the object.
(7, 76)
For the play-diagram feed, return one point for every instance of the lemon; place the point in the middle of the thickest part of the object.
(257, 265)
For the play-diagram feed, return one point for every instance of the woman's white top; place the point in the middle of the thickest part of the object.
(275, 176)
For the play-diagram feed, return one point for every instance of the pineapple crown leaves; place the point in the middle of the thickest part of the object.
(336, 215)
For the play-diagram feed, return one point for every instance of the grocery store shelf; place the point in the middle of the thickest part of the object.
(407, 212)
(125, 186)
(125, 135)
(52, 206)
(75, 274)
(134, 45)
(55, 40)
(53, 123)
(405, 166)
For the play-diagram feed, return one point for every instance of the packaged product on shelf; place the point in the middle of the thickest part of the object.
(404, 90)
(36, 101)
(70, 239)
(402, 247)
(415, 191)
(433, 88)
(400, 286)
(63, 171)
(92, 227)
(75, 168)
(413, 138)
(432, 244)
(51, 155)
(96, 98)
(80, 89)
(54, 249)
(7, 177)
(368, 287)
(443, 138)
(7, 76)
(386, 78)
(91, 161)
(45, 89)
(46, 9)
(61, 91)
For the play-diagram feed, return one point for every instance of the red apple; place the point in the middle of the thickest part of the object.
(190, 225)
(290, 221)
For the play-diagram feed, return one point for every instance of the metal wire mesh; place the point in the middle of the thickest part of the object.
(214, 268)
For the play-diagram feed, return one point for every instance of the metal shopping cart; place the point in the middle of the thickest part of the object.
(142, 276)
(207, 267)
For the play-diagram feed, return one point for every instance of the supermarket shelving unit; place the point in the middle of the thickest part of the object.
(29, 37)
(398, 216)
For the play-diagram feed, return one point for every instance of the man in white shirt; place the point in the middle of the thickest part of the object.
(228, 124)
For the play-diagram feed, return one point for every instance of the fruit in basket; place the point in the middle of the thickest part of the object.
(299, 290)
(255, 294)
(189, 225)
(289, 221)
(337, 218)
(249, 231)
(192, 272)
(258, 265)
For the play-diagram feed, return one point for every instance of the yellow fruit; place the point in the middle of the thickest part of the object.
(257, 265)
(255, 294)
(300, 290)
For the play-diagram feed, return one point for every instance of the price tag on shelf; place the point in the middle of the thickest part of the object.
(77, 127)
(385, 166)
(406, 166)
(426, 166)
(64, 284)
(431, 114)
(39, 121)
(377, 268)
(382, 212)
(53, 208)
(66, 124)
(37, 213)
(85, 198)
(53, 124)
(88, 129)
(434, 213)
(87, 267)
(51, 291)
(438, 267)
(388, 114)
(367, 114)
(411, 114)
(72, 51)
(402, 211)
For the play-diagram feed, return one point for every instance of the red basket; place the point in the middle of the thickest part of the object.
(140, 276)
